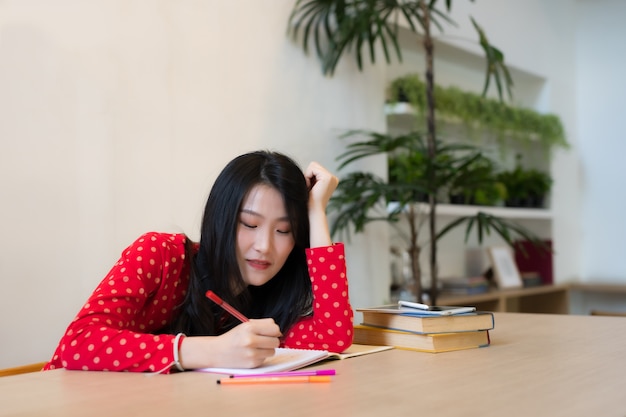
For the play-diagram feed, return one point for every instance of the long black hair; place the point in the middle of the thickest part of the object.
(287, 296)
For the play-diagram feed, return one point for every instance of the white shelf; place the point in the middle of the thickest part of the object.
(459, 210)
(402, 111)
(399, 109)
(406, 111)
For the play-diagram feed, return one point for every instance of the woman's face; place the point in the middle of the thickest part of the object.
(264, 235)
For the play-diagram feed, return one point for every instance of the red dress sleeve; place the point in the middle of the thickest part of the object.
(330, 327)
(118, 327)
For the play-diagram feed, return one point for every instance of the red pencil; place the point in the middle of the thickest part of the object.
(217, 300)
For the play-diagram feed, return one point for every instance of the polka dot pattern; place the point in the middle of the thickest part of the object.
(331, 325)
(117, 328)
(114, 329)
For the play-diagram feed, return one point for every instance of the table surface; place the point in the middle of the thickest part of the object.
(537, 365)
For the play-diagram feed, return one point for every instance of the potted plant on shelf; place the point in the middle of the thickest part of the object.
(538, 184)
(479, 114)
(477, 184)
(362, 197)
(339, 26)
(525, 187)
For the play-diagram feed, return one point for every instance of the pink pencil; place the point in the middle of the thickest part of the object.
(320, 372)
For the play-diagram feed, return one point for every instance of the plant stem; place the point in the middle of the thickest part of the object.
(414, 252)
(430, 137)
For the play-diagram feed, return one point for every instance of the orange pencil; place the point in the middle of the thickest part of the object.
(274, 380)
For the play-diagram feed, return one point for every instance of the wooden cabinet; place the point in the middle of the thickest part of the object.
(553, 299)
(570, 298)
(598, 298)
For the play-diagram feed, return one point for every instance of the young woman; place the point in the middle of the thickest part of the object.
(264, 248)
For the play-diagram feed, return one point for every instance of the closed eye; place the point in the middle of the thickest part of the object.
(249, 226)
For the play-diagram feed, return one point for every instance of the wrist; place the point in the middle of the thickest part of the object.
(316, 208)
(176, 346)
(198, 352)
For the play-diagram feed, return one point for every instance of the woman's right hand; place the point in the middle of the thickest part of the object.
(245, 346)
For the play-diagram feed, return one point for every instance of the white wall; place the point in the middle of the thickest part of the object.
(116, 116)
(601, 89)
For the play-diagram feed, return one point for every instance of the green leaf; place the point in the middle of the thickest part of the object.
(495, 64)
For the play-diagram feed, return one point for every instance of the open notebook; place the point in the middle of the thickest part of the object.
(287, 359)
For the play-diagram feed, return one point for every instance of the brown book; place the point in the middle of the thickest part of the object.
(414, 322)
(434, 343)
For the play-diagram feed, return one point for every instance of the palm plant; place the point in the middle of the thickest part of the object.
(336, 27)
(362, 198)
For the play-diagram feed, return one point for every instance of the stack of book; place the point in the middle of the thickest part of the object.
(433, 331)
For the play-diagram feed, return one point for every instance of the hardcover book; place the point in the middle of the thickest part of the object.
(419, 323)
(433, 343)
(424, 310)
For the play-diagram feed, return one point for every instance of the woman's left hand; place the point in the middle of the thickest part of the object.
(321, 184)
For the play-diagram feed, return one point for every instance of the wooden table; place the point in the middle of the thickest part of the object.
(537, 365)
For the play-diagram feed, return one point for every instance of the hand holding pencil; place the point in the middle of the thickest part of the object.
(245, 346)
(276, 378)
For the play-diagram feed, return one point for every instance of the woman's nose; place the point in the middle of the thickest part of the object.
(263, 241)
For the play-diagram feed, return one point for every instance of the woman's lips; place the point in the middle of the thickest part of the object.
(258, 264)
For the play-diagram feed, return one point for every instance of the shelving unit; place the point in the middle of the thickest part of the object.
(596, 298)
(552, 299)
(401, 117)
(462, 66)
(548, 299)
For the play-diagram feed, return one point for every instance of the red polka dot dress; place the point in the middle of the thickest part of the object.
(116, 330)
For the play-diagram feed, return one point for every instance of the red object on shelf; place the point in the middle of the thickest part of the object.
(530, 258)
